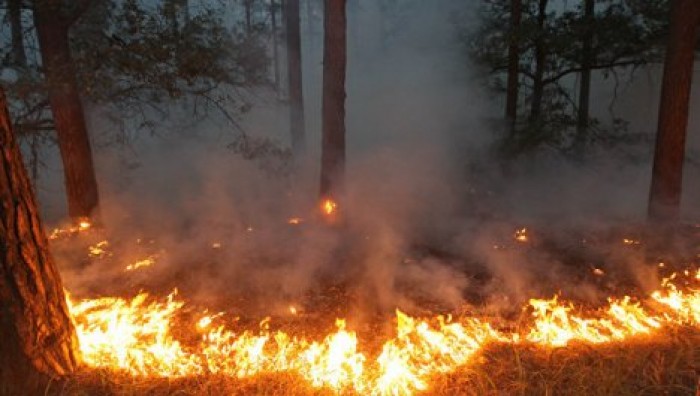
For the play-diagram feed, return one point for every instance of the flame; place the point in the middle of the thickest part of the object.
(137, 336)
(59, 233)
(99, 249)
(329, 207)
(521, 235)
(147, 262)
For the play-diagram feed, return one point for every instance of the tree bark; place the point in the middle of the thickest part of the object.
(540, 59)
(667, 173)
(586, 65)
(296, 91)
(68, 115)
(334, 66)
(38, 338)
(513, 63)
(14, 13)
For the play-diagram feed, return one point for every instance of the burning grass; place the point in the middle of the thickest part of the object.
(664, 364)
(166, 345)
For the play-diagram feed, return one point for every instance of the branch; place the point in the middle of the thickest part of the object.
(580, 69)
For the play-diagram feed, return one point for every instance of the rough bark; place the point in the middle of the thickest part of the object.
(38, 338)
(296, 93)
(540, 59)
(334, 65)
(667, 173)
(513, 63)
(587, 62)
(14, 13)
(68, 115)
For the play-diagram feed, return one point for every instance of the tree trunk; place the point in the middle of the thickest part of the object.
(248, 16)
(14, 13)
(513, 63)
(540, 59)
(38, 338)
(68, 115)
(334, 64)
(667, 173)
(586, 64)
(296, 93)
(275, 49)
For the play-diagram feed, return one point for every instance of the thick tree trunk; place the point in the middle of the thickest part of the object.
(334, 64)
(14, 13)
(586, 64)
(540, 59)
(667, 173)
(296, 93)
(513, 63)
(68, 115)
(38, 338)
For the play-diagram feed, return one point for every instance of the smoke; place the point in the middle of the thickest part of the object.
(430, 214)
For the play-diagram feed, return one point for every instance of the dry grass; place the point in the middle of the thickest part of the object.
(664, 364)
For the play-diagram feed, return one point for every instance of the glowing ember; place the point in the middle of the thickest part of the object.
(98, 250)
(295, 221)
(329, 207)
(521, 235)
(136, 336)
(147, 262)
(58, 233)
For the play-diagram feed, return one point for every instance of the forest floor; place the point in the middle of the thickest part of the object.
(664, 362)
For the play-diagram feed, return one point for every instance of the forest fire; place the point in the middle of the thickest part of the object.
(138, 336)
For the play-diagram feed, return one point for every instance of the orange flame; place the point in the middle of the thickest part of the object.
(329, 207)
(136, 335)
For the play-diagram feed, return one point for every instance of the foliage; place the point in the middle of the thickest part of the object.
(135, 60)
(626, 35)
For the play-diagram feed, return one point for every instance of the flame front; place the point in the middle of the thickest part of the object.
(136, 335)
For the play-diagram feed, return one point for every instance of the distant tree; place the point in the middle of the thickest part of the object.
(513, 83)
(274, 32)
(294, 69)
(333, 123)
(541, 49)
(53, 19)
(38, 338)
(556, 45)
(587, 61)
(667, 173)
(14, 14)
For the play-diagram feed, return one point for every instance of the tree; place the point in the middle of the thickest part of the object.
(296, 95)
(38, 338)
(587, 62)
(14, 13)
(667, 172)
(275, 49)
(333, 123)
(52, 20)
(538, 84)
(556, 43)
(513, 63)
